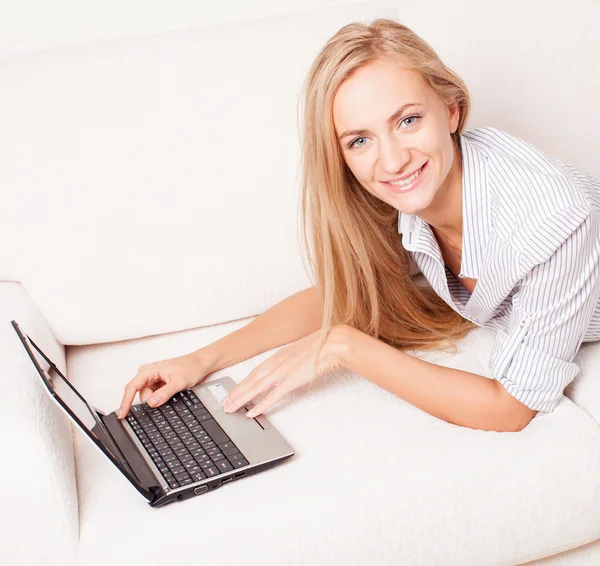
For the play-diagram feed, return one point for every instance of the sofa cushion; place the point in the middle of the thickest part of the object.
(374, 479)
(153, 182)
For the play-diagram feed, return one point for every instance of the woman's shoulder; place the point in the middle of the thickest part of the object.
(524, 172)
(502, 146)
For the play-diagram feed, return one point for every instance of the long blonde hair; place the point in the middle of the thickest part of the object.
(361, 269)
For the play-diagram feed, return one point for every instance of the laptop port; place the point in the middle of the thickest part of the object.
(225, 480)
(240, 475)
(201, 489)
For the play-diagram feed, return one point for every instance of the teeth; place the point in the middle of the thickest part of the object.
(408, 181)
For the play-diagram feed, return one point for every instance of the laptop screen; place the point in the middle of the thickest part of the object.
(91, 421)
(70, 397)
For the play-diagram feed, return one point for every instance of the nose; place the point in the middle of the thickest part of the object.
(393, 156)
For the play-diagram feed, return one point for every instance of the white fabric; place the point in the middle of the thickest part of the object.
(374, 480)
(586, 555)
(164, 190)
(37, 475)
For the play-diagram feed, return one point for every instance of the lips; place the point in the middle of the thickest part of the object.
(413, 184)
(406, 176)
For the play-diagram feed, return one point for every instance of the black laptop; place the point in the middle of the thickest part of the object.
(186, 447)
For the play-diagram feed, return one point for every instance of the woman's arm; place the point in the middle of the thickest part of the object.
(287, 321)
(456, 396)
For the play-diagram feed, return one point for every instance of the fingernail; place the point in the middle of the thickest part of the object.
(152, 401)
(251, 413)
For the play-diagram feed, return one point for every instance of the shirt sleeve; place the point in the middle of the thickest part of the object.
(552, 309)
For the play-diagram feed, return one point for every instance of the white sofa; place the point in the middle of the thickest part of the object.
(150, 206)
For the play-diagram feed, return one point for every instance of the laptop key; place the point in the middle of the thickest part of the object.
(187, 481)
(181, 476)
(239, 463)
(217, 457)
(211, 472)
(197, 410)
(198, 476)
(224, 466)
(234, 457)
(204, 417)
(229, 451)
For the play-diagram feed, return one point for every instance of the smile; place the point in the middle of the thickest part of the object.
(406, 184)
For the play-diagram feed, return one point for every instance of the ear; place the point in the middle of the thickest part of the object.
(453, 118)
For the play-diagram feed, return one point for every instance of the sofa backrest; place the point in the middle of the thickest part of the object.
(152, 184)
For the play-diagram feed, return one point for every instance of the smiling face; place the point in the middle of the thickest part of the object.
(392, 126)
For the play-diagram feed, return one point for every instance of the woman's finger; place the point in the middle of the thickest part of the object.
(137, 383)
(242, 388)
(154, 383)
(247, 393)
(276, 393)
(145, 393)
(252, 384)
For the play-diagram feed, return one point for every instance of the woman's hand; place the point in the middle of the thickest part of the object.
(161, 380)
(289, 368)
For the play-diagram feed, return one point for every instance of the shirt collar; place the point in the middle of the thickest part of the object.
(417, 235)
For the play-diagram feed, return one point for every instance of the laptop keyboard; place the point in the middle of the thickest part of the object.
(185, 442)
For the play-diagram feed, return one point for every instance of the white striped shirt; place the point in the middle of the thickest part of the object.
(531, 238)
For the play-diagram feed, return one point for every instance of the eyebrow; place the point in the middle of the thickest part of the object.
(391, 119)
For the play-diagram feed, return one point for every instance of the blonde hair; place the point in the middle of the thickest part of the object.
(362, 270)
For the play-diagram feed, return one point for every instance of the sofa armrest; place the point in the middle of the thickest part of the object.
(39, 496)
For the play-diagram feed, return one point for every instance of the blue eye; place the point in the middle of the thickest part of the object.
(414, 117)
(352, 143)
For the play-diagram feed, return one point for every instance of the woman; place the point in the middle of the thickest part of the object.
(507, 237)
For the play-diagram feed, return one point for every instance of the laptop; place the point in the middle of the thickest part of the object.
(186, 447)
